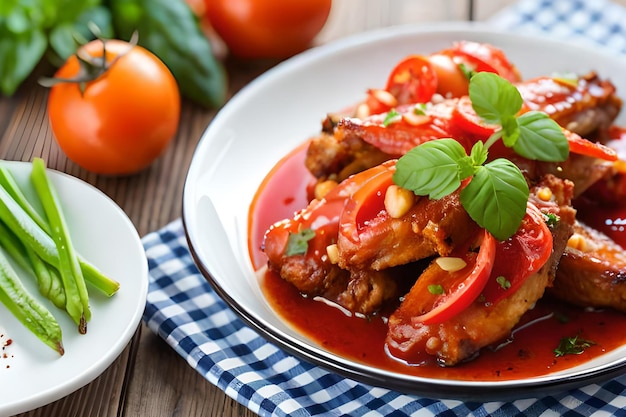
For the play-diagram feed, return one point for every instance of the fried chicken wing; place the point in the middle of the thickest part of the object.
(484, 322)
(592, 271)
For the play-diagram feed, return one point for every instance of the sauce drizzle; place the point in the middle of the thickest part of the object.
(528, 353)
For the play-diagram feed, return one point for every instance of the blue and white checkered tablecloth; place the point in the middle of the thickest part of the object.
(184, 310)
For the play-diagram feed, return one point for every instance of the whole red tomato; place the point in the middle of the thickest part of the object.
(122, 120)
(267, 28)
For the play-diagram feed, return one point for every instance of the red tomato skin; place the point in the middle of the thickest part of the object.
(124, 119)
(267, 28)
(413, 80)
(520, 256)
(461, 297)
(484, 57)
(451, 82)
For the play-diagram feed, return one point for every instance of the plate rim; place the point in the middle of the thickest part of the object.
(507, 390)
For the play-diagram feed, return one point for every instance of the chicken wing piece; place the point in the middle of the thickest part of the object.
(484, 322)
(586, 105)
(592, 271)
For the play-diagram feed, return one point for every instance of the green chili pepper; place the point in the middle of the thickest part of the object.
(33, 315)
(93, 275)
(76, 296)
(47, 277)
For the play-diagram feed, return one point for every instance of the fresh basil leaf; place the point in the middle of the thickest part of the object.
(67, 37)
(19, 54)
(493, 97)
(17, 21)
(432, 168)
(541, 138)
(71, 10)
(100, 16)
(510, 130)
(478, 155)
(496, 198)
(63, 41)
(170, 30)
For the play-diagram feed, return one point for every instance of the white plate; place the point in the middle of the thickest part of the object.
(284, 107)
(32, 374)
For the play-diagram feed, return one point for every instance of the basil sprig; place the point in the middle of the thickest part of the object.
(497, 192)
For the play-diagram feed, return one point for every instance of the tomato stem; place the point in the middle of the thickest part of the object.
(91, 67)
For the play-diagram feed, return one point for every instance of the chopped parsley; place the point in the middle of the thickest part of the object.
(298, 243)
(503, 282)
(435, 289)
(551, 219)
(420, 109)
(391, 117)
(572, 346)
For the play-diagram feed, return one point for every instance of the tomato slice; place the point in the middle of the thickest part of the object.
(461, 288)
(520, 256)
(413, 80)
(465, 119)
(481, 57)
(367, 202)
(405, 132)
(375, 105)
(451, 81)
(582, 146)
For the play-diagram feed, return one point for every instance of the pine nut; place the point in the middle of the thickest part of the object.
(398, 201)
(333, 253)
(545, 194)
(451, 264)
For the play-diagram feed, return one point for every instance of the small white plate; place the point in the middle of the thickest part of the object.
(31, 373)
(284, 107)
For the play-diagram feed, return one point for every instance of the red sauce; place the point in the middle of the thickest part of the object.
(530, 352)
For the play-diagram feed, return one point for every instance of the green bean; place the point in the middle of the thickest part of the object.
(14, 247)
(76, 296)
(92, 274)
(47, 276)
(11, 186)
(34, 316)
(48, 279)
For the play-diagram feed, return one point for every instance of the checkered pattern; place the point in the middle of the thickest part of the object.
(596, 23)
(185, 311)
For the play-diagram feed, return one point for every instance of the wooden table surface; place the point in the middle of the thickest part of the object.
(149, 378)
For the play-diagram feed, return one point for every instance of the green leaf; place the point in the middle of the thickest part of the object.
(572, 346)
(436, 289)
(510, 130)
(19, 54)
(496, 198)
(503, 282)
(62, 40)
(478, 155)
(67, 37)
(432, 168)
(541, 138)
(391, 117)
(298, 243)
(170, 30)
(493, 97)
